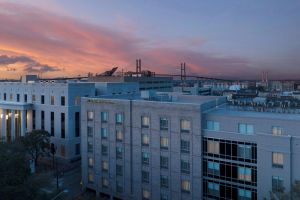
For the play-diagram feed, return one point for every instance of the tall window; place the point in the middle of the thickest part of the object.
(244, 173)
(42, 99)
(145, 158)
(185, 146)
(104, 133)
(213, 168)
(62, 100)
(62, 150)
(77, 101)
(33, 99)
(212, 125)
(77, 149)
(164, 143)
(119, 152)
(277, 184)
(185, 126)
(52, 100)
(145, 176)
(164, 181)
(105, 182)
(145, 140)
(90, 147)
(164, 162)
(119, 186)
(119, 170)
(77, 124)
(276, 130)
(90, 132)
(90, 162)
(246, 129)
(146, 194)
(52, 123)
(18, 97)
(104, 150)
(43, 120)
(63, 125)
(185, 166)
(185, 186)
(33, 119)
(104, 117)
(90, 177)
(213, 147)
(164, 124)
(119, 135)
(119, 118)
(213, 189)
(105, 165)
(244, 194)
(145, 121)
(277, 159)
(25, 98)
(244, 151)
(90, 115)
(4, 96)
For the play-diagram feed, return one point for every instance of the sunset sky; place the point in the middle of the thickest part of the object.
(216, 38)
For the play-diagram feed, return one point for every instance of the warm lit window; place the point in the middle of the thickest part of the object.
(90, 115)
(276, 130)
(145, 140)
(104, 166)
(246, 129)
(185, 126)
(213, 125)
(146, 194)
(145, 121)
(213, 147)
(277, 159)
(90, 162)
(119, 135)
(105, 182)
(186, 186)
(164, 142)
(244, 173)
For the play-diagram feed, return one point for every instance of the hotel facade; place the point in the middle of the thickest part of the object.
(186, 147)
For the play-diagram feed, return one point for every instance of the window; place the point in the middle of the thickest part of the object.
(244, 194)
(90, 131)
(90, 177)
(164, 181)
(25, 98)
(246, 129)
(119, 118)
(244, 173)
(145, 158)
(145, 121)
(77, 149)
(62, 150)
(164, 124)
(62, 101)
(212, 125)
(119, 186)
(104, 165)
(90, 115)
(104, 133)
(164, 143)
(146, 194)
(43, 99)
(119, 170)
(213, 168)
(244, 151)
(164, 197)
(11, 97)
(185, 146)
(185, 166)
(213, 189)
(277, 184)
(119, 135)
(277, 159)
(52, 99)
(90, 162)
(43, 120)
(276, 130)
(105, 182)
(104, 150)
(33, 98)
(77, 124)
(33, 119)
(77, 101)
(52, 124)
(164, 162)
(90, 147)
(145, 176)
(185, 126)
(18, 97)
(185, 186)
(104, 117)
(145, 140)
(213, 147)
(63, 124)
(4, 96)
(119, 152)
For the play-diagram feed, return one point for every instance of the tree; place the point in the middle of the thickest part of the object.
(37, 144)
(294, 193)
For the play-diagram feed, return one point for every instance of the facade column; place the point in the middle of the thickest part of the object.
(23, 122)
(3, 125)
(13, 133)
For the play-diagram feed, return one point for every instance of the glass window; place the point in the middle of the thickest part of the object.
(119, 170)
(276, 130)
(213, 189)
(104, 133)
(213, 147)
(145, 140)
(105, 182)
(185, 166)
(145, 158)
(213, 125)
(90, 162)
(244, 173)
(277, 184)
(90, 131)
(164, 162)
(90, 177)
(164, 196)
(90, 147)
(104, 150)
(244, 194)
(104, 165)
(277, 159)
(186, 186)
(32, 98)
(145, 176)
(246, 129)
(185, 146)
(42, 99)
(213, 168)
(119, 186)
(119, 152)
(145, 121)
(119, 118)
(62, 101)
(146, 194)
(164, 142)
(164, 181)
(164, 124)
(185, 126)
(104, 117)
(90, 115)
(52, 100)
(77, 101)
(244, 151)
(119, 135)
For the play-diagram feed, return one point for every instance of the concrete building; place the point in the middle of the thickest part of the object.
(186, 147)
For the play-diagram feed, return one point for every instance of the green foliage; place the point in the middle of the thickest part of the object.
(37, 144)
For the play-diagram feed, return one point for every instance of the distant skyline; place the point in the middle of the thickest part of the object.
(224, 39)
